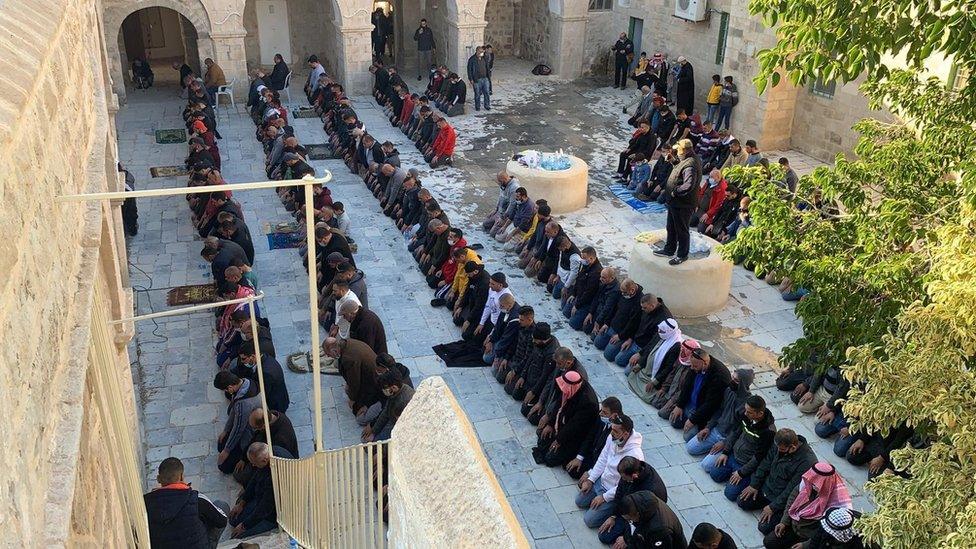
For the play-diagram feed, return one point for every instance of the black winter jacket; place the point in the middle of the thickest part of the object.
(717, 378)
(179, 518)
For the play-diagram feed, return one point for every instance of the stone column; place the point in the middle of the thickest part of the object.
(465, 37)
(353, 69)
(566, 42)
(228, 52)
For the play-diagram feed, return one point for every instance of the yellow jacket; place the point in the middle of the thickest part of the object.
(461, 277)
(535, 223)
(641, 65)
(714, 93)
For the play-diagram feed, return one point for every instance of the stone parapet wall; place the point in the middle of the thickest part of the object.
(443, 492)
(54, 139)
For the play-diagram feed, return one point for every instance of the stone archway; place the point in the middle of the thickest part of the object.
(115, 12)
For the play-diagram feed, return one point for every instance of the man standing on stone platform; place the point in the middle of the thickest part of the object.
(682, 192)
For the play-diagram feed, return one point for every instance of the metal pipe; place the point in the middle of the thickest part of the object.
(264, 398)
(190, 309)
(306, 182)
(313, 308)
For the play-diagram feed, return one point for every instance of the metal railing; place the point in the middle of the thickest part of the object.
(118, 432)
(332, 498)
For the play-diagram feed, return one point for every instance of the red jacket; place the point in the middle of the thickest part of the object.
(449, 267)
(444, 144)
(407, 110)
(718, 196)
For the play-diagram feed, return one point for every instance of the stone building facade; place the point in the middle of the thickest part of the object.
(575, 41)
(62, 484)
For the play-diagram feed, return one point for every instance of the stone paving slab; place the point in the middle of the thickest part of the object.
(175, 364)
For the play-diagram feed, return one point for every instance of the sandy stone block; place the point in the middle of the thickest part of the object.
(193, 415)
(177, 374)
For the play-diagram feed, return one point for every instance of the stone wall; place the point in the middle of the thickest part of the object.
(663, 32)
(533, 31)
(601, 33)
(500, 32)
(55, 138)
(822, 126)
(434, 452)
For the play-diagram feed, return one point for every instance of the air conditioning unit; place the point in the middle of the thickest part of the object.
(691, 10)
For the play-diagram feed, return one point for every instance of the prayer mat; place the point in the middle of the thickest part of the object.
(191, 295)
(460, 354)
(168, 171)
(319, 151)
(302, 363)
(627, 196)
(284, 234)
(304, 112)
(171, 136)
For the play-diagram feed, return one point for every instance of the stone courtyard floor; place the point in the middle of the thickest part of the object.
(183, 413)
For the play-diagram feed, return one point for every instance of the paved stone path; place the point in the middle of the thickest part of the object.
(183, 413)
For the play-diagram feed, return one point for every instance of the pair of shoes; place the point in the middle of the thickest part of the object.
(487, 108)
(662, 253)
(677, 260)
(614, 86)
(477, 108)
(642, 197)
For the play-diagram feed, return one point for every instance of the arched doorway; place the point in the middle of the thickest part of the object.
(159, 36)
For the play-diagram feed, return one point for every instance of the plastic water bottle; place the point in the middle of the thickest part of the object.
(292, 543)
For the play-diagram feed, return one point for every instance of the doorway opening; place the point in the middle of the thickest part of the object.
(160, 37)
(384, 36)
(636, 33)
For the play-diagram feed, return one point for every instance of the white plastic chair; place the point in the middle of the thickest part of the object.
(287, 90)
(228, 90)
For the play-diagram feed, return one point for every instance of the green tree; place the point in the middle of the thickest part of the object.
(893, 267)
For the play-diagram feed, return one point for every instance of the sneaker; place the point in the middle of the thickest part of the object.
(438, 302)
(662, 253)
(677, 260)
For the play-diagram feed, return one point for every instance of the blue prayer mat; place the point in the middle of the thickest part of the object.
(627, 196)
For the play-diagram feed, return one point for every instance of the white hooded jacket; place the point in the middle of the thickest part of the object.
(606, 466)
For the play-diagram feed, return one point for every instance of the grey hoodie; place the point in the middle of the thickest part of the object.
(735, 398)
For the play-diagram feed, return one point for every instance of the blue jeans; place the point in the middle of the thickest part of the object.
(623, 357)
(593, 518)
(827, 430)
(557, 290)
(603, 340)
(481, 89)
(619, 526)
(712, 115)
(724, 115)
(576, 319)
(697, 447)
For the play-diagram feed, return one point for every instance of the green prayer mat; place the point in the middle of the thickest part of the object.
(319, 151)
(168, 171)
(304, 112)
(168, 137)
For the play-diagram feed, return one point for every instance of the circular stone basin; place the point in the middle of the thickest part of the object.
(697, 287)
(564, 189)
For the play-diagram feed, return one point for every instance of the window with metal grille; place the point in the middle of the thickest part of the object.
(601, 5)
(958, 77)
(823, 89)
